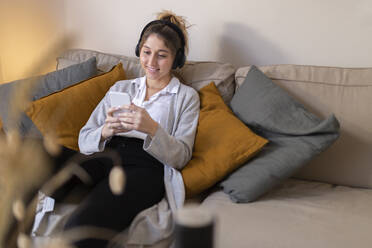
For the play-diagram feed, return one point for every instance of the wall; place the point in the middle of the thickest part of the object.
(320, 32)
(328, 32)
(28, 31)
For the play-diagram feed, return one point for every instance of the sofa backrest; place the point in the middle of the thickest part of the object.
(195, 74)
(346, 92)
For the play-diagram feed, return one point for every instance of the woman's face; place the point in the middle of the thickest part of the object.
(156, 59)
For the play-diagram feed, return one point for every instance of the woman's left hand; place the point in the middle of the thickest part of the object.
(138, 118)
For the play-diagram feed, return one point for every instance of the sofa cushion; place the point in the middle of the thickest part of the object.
(222, 144)
(295, 214)
(296, 136)
(64, 113)
(195, 74)
(346, 92)
(44, 85)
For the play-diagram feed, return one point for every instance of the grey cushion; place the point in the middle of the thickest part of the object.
(45, 85)
(295, 136)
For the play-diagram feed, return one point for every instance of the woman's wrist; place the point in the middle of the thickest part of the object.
(154, 129)
(104, 135)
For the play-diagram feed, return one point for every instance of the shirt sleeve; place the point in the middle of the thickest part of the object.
(90, 135)
(176, 150)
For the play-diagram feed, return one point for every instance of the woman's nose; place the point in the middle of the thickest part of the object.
(152, 60)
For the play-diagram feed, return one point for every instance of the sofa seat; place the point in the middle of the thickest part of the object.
(297, 214)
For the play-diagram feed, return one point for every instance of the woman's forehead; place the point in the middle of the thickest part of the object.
(154, 41)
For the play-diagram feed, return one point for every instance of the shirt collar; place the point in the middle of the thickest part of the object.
(172, 87)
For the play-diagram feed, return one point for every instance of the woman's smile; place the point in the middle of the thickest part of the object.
(152, 69)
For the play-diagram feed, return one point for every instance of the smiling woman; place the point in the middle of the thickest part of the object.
(154, 136)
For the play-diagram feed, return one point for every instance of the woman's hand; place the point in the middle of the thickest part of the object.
(112, 124)
(137, 118)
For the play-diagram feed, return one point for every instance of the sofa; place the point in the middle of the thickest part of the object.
(324, 202)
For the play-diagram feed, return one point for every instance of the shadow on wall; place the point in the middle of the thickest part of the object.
(241, 46)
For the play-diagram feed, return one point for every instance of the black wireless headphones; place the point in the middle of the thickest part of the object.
(180, 57)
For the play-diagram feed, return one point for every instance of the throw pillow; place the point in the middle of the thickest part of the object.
(296, 136)
(222, 143)
(44, 85)
(64, 113)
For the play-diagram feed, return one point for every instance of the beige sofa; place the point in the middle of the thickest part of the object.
(329, 202)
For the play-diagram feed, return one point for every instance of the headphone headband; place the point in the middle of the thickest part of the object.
(180, 57)
(169, 24)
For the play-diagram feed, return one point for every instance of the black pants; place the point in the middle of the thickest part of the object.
(144, 187)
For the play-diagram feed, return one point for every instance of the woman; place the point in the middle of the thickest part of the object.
(154, 136)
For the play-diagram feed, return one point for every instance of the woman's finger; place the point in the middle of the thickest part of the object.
(110, 111)
(132, 107)
(112, 120)
(129, 120)
(114, 125)
(128, 126)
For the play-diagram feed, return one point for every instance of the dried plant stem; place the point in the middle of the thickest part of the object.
(72, 168)
(11, 185)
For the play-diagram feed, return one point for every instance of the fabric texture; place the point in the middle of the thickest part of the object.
(297, 213)
(157, 106)
(222, 143)
(194, 73)
(64, 113)
(295, 134)
(44, 86)
(171, 145)
(346, 92)
(176, 137)
(102, 208)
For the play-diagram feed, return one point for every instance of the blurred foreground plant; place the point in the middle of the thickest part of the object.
(25, 168)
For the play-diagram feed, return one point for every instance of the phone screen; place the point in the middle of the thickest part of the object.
(119, 99)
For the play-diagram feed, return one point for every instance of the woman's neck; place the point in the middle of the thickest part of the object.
(158, 84)
(154, 86)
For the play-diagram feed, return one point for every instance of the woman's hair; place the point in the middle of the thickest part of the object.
(170, 37)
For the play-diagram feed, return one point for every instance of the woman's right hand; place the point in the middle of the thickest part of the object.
(112, 125)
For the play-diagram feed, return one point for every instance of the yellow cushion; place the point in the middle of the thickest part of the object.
(65, 112)
(222, 143)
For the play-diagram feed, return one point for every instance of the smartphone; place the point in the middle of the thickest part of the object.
(119, 99)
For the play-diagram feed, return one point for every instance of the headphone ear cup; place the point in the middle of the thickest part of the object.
(137, 50)
(179, 59)
(182, 60)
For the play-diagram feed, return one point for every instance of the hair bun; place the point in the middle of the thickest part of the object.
(180, 21)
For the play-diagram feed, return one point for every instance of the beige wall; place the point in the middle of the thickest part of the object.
(28, 30)
(320, 32)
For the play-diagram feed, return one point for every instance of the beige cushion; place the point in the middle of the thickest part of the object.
(195, 74)
(105, 61)
(348, 94)
(296, 214)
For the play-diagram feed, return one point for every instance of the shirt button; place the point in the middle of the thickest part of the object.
(122, 145)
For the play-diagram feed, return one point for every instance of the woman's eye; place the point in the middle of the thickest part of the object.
(162, 55)
(146, 52)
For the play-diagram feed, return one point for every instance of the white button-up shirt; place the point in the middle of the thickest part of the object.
(157, 106)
